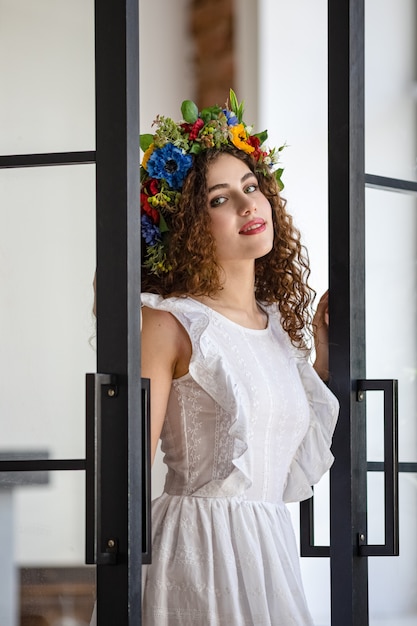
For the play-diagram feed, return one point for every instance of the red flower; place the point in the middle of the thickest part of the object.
(255, 143)
(193, 129)
(148, 209)
(151, 186)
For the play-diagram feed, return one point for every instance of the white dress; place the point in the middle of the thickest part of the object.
(247, 429)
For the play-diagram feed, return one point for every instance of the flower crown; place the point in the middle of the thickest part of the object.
(168, 157)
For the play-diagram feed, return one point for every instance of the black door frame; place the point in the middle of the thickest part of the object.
(349, 570)
(118, 308)
(347, 180)
(119, 495)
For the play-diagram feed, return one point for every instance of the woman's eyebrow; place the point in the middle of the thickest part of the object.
(226, 185)
(218, 186)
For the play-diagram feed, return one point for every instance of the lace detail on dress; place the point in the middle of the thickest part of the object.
(194, 424)
(223, 446)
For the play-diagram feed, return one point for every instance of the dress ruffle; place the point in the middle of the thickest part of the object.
(313, 457)
(207, 369)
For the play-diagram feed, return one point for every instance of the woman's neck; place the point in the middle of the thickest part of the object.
(237, 301)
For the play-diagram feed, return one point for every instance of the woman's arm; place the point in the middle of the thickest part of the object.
(166, 353)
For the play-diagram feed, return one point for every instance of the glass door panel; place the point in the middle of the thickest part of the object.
(47, 73)
(47, 251)
(390, 93)
(391, 314)
(43, 577)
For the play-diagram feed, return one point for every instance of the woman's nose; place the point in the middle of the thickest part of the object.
(247, 205)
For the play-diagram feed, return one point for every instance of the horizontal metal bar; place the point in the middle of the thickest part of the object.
(47, 159)
(378, 466)
(390, 184)
(41, 465)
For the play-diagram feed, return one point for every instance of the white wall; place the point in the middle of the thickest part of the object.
(166, 58)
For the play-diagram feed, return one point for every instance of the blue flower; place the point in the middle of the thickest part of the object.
(231, 117)
(150, 231)
(171, 164)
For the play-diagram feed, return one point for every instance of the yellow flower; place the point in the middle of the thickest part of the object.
(146, 156)
(239, 138)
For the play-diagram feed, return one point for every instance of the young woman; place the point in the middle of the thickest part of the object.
(244, 419)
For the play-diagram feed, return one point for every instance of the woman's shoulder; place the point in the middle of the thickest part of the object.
(163, 334)
(158, 322)
(158, 307)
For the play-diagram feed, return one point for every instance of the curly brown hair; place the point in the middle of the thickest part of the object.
(281, 276)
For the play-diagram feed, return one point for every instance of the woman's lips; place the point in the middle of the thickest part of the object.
(253, 227)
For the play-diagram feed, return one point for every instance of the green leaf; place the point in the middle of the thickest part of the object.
(145, 141)
(163, 227)
(263, 136)
(189, 111)
(240, 112)
(215, 112)
(234, 104)
(195, 148)
(237, 108)
(210, 113)
(206, 115)
(278, 174)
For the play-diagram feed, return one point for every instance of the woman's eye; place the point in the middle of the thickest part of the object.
(217, 201)
(251, 188)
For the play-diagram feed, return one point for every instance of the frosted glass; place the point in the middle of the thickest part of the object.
(47, 76)
(391, 329)
(42, 572)
(47, 252)
(390, 88)
(391, 307)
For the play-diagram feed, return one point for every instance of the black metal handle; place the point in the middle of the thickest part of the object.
(146, 473)
(390, 468)
(96, 385)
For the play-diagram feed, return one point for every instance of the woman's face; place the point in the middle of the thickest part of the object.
(241, 216)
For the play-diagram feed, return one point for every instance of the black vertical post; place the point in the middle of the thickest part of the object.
(349, 575)
(118, 309)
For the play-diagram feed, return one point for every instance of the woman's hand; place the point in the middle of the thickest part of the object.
(321, 337)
